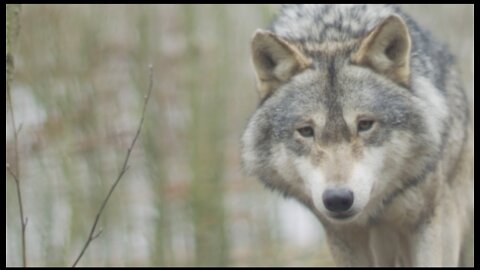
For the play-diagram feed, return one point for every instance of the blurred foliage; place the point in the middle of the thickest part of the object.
(81, 73)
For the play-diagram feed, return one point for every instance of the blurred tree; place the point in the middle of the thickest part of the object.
(206, 145)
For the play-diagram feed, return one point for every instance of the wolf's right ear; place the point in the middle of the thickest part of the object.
(275, 61)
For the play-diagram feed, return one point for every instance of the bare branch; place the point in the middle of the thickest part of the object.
(12, 32)
(15, 178)
(92, 236)
(24, 221)
(97, 234)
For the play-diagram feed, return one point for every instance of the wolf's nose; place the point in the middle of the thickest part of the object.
(337, 199)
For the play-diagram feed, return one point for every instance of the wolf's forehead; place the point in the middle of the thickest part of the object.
(322, 87)
(330, 90)
(307, 90)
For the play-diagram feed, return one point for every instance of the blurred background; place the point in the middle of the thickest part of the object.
(81, 72)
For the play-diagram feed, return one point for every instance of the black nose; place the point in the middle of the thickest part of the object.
(337, 199)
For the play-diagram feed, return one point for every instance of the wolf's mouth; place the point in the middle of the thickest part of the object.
(342, 215)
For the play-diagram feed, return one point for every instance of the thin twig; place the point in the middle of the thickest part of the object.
(12, 33)
(92, 236)
(23, 221)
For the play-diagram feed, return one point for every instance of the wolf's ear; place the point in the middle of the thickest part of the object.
(386, 49)
(275, 61)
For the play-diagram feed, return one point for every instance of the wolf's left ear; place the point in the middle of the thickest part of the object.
(275, 61)
(386, 50)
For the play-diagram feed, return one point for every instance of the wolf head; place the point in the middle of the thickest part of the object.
(338, 123)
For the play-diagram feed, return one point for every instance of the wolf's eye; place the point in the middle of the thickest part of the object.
(364, 125)
(306, 131)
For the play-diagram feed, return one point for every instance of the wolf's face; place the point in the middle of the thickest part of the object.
(334, 130)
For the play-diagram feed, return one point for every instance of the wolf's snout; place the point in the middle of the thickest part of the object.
(337, 199)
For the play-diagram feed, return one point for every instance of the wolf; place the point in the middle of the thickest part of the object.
(363, 119)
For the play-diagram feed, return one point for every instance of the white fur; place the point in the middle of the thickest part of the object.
(314, 179)
(248, 154)
(433, 105)
(365, 174)
(283, 164)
